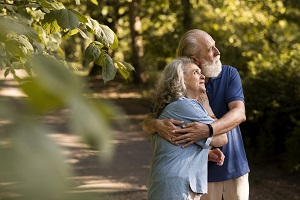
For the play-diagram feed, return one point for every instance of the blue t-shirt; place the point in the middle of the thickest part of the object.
(174, 169)
(225, 88)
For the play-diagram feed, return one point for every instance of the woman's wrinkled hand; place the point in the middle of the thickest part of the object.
(216, 155)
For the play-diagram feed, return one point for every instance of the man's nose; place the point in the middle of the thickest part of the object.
(216, 51)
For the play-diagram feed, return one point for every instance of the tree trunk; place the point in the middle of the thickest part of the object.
(187, 19)
(136, 41)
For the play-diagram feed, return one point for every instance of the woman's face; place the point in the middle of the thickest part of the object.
(194, 80)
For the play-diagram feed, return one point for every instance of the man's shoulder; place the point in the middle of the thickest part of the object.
(228, 68)
(228, 71)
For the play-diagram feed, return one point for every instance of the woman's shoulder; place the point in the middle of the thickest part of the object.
(184, 102)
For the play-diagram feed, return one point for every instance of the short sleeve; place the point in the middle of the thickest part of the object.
(235, 89)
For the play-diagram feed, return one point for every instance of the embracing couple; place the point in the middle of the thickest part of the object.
(198, 104)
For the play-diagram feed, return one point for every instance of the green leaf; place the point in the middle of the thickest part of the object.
(115, 44)
(84, 35)
(49, 23)
(106, 36)
(45, 4)
(24, 41)
(109, 70)
(37, 161)
(128, 66)
(89, 122)
(123, 69)
(40, 99)
(6, 72)
(72, 32)
(55, 77)
(103, 33)
(14, 47)
(92, 52)
(2, 63)
(94, 2)
(9, 25)
(38, 46)
(100, 60)
(80, 16)
(66, 19)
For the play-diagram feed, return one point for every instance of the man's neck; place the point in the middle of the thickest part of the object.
(206, 80)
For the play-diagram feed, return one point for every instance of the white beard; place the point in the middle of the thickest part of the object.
(212, 69)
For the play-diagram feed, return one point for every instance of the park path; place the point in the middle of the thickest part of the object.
(125, 176)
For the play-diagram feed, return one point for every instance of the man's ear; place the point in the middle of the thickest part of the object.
(194, 60)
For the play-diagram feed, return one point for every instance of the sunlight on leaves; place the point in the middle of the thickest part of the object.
(109, 70)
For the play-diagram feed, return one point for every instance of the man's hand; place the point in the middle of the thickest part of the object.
(216, 155)
(166, 128)
(194, 132)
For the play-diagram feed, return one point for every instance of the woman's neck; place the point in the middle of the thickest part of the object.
(192, 95)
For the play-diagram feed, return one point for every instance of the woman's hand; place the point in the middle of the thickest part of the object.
(216, 155)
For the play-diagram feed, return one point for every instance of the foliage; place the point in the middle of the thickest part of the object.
(30, 41)
(292, 144)
(37, 27)
(272, 111)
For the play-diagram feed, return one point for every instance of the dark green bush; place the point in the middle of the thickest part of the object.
(273, 112)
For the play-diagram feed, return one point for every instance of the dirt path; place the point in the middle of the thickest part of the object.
(125, 176)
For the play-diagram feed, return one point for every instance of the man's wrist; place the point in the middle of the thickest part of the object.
(154, 123)
(211, 130)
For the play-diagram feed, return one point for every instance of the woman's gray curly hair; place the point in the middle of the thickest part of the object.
(171, 85)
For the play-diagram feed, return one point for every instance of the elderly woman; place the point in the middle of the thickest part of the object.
(176, 172)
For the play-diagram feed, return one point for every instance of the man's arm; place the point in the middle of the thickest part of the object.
(165, 127)
(196, 131)
(235, 116)
(148, 124)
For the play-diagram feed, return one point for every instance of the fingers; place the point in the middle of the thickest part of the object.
(212, 156)
(168, 137)
(176, 122)
(187, 144)
(180, 138)
(220, 163)
(216, 155)
(186, 140)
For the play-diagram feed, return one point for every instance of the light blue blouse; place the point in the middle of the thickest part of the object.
(174, 169)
